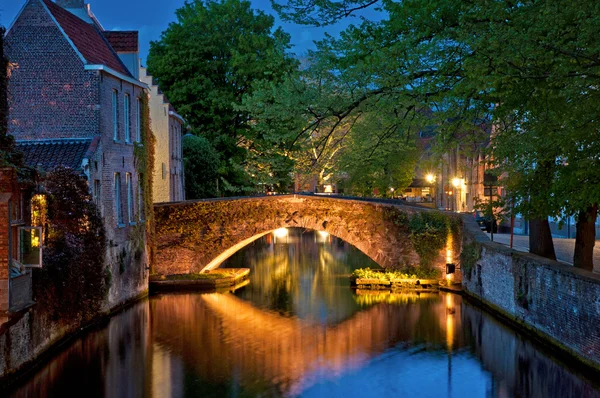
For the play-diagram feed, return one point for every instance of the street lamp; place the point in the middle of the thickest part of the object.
(392, 191)
(430, 178)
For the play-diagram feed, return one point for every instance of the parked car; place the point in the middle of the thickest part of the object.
(486, 223)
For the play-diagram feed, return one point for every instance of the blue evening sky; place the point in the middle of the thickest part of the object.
(151, 17)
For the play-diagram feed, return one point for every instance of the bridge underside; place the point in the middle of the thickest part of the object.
(195, 236)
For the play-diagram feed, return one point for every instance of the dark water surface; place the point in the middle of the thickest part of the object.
(297, 329)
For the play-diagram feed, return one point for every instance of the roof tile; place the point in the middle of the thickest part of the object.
(122, 41)
(50, 154)
(87, 39)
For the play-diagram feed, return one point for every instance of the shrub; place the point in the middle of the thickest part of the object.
(73, 282)
(389, 274)
(429, 232)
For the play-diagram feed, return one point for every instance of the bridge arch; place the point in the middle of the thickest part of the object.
(197, 235)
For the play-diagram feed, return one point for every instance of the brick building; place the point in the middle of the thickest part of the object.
(168, 128)
(74, 102)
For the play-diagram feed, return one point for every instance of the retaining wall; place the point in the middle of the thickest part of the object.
(559, 303)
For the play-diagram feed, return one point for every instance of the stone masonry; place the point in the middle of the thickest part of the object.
(196, 235)
(558, 302)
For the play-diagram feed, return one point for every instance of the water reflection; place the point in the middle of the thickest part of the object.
(298, 330)
(301, 273)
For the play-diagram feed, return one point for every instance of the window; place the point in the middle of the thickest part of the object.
(118, 204)
(138, 127)
(30, 247)
(164, 171)
(127, 117)
(114, 116)
(129, 188)
(141, 196)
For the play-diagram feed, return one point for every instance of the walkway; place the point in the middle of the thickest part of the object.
(563, 247)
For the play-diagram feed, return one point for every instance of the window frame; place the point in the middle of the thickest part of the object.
(127, 117)
(115, 114)
(118, 200)
(129, 193)
(138, 131)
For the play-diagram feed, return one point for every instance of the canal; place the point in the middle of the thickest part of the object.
(298, 329)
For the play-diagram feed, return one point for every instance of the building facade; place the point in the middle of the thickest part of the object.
(168, 128)
(74, 102)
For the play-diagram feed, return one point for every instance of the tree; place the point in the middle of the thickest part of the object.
(206, 62)
(201, 168)
(532, 68)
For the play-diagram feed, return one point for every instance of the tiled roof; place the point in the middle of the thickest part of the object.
(87, 39)
(124, 41)
(50, 154)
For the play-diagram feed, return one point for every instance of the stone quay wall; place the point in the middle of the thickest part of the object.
(557, 303)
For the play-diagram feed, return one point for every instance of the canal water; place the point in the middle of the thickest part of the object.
(297, 329)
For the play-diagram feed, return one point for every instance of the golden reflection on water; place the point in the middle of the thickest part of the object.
(298, 325)
(285, 350)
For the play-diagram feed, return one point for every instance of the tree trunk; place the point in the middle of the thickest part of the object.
(585, 238)
(540, 238)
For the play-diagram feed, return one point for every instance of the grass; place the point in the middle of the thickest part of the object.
(389, 274)
(210, 275)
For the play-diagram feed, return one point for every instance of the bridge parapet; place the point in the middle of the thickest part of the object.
(194, 236)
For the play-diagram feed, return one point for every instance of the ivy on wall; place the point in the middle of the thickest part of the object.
(144, 153)
(429, 234)
(73, 282)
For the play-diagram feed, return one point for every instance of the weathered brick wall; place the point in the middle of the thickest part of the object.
(559, 302)
(192, 235)
(129, 270)
(50, 93)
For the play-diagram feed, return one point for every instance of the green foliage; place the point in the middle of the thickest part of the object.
(469, 255)
(390, 275)
(206, 62)
(429, 234)
(530, 68)
(73, 282)
(144, 154)
(201, 165)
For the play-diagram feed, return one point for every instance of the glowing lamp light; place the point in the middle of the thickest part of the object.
(456, 182)
(430, 178)
(281, 232)
(324, 234)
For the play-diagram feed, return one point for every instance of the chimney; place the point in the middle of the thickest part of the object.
(71, 3)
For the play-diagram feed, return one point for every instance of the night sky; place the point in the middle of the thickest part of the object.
(151, 17)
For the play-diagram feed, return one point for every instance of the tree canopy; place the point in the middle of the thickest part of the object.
(206, 62)
(529, 67)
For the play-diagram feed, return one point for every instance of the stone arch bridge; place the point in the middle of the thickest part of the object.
(194, 236)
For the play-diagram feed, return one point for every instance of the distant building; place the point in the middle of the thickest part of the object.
(168, 128)
(75, 100)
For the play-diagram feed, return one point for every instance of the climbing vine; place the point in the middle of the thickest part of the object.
(144, 153)
(73, 282)
(429, 233)
(469, 255)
